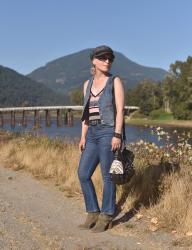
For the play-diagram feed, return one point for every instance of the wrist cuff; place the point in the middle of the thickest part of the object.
(117, 135)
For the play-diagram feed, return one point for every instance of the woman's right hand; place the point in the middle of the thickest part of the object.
(82, 144)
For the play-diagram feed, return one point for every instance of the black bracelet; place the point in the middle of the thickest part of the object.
(117, 135)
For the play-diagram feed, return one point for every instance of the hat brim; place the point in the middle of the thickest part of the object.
(104, 53)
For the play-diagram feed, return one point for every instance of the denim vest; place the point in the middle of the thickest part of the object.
(106, 103)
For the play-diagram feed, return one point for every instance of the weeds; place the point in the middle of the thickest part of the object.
(161, 187)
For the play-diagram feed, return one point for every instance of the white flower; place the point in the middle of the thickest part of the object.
(179, 152)
(167, 154)
(188, 145)
(140, 142)
(162, 133)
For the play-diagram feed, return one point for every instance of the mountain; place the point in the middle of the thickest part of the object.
(69, 72)
(19, 90)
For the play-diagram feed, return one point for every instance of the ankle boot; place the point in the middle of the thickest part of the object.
(90, 220)
(103, 223)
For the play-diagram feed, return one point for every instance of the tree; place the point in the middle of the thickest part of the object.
(177, 88)
(76, 97)
(147, 95)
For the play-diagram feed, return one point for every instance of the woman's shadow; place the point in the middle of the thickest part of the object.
(145, 185)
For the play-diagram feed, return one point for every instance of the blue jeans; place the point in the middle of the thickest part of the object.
(97, 149)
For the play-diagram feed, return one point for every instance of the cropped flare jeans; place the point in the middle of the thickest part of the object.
(97, 150)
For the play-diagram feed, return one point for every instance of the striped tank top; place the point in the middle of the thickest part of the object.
(94, 106)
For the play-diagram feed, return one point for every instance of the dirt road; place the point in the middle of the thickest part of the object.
(35, 215)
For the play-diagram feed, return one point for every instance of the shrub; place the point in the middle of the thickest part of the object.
(182, 111)
(160, 114)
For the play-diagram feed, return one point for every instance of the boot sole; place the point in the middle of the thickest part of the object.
(109, 226)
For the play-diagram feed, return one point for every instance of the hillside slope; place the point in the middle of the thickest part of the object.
(69, 72)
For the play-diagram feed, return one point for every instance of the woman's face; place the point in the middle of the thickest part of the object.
(103, 63)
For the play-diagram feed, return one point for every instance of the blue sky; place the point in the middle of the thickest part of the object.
(151, 33)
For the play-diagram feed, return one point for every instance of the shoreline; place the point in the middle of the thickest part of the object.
(165, 123)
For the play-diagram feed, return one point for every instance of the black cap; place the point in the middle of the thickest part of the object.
(101, 50)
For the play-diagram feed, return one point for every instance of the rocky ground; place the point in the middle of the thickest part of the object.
(34, 215)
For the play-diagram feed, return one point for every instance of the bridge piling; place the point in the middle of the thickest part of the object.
(69, 118)
(47, 118)
(126, 112)
(1, 119)
(24, 118)
(12, 119)
(36, 119)
(59, 120)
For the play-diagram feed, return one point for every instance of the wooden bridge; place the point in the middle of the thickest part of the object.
(68, 115)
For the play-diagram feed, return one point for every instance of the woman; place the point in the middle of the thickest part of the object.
(102, 122)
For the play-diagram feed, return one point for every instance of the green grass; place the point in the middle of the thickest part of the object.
(146, 121)
(165, 117)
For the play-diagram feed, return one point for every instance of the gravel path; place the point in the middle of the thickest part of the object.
(35, 215)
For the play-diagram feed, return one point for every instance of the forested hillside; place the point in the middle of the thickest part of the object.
(19, 90)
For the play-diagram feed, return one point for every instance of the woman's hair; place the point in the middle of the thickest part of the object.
(93, 70)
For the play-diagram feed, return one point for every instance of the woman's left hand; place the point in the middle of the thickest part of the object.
(115, 144)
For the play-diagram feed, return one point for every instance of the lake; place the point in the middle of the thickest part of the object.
(134, 133)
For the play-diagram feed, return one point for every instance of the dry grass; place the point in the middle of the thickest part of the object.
(161, 187)
(46, 158)
(174, 209)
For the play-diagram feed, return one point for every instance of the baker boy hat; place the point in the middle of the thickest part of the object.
(101, 50)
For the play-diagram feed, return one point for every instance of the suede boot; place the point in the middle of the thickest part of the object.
(103, 223)
(90, 220)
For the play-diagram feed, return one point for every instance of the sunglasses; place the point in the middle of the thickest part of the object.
(103, 58)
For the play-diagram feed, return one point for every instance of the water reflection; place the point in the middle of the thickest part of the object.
(133, 133)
